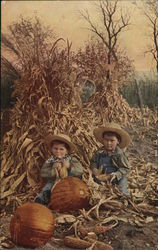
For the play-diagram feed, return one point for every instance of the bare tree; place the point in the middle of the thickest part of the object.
(114, 21)
(92, 62)
(151, 12)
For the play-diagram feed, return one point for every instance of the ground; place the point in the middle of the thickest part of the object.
(122, 237)
(127, 237)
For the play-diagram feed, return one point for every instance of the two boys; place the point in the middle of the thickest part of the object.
(107, 163)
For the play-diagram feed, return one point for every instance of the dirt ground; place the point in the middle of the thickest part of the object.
(122, 237)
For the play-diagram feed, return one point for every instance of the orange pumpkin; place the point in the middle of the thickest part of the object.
(69, 194)
(32, 225)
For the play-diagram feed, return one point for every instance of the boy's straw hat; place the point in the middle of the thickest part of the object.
(60, 137)
(113, 127)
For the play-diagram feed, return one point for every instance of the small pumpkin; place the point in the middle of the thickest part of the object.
(69, 194)
(32, 225)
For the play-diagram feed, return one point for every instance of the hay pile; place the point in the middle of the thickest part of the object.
(25, 150)
(34, 116)
(24, 146)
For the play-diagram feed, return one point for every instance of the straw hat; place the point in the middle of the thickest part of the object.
(112, 127)
(60, 137)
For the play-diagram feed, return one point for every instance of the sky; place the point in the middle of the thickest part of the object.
(63, 17)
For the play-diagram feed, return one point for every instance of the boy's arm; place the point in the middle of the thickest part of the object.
(47, 170)
(76, 168)
(93, 162)
(123, 166)
(96, 170)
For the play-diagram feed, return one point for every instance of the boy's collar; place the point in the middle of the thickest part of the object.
(117, 150)
(66, 157)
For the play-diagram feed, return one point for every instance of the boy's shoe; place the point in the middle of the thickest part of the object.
(46, 196)
(39, 200)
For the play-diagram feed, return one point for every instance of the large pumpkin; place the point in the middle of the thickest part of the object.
(69, 194)
(32, 225)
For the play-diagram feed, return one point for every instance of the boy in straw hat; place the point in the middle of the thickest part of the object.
(110, 162)
(60, 165)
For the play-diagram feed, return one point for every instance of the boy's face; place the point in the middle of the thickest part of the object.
(110, 142)
(59, 150)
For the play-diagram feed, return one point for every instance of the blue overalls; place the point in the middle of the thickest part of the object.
(107, 167)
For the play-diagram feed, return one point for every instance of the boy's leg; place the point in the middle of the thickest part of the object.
(44, 196)
(123, 185)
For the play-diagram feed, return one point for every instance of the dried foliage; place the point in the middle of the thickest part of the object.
(35, 117)
(38, 112)
(92, 62)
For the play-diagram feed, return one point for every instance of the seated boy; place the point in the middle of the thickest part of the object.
(60, 165)
(110, 162)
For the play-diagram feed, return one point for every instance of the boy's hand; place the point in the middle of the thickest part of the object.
(113, 176)
(63, 172)
(98, 171)
(107, 177)
(66, 164)
(57, 166)
(103, 177)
